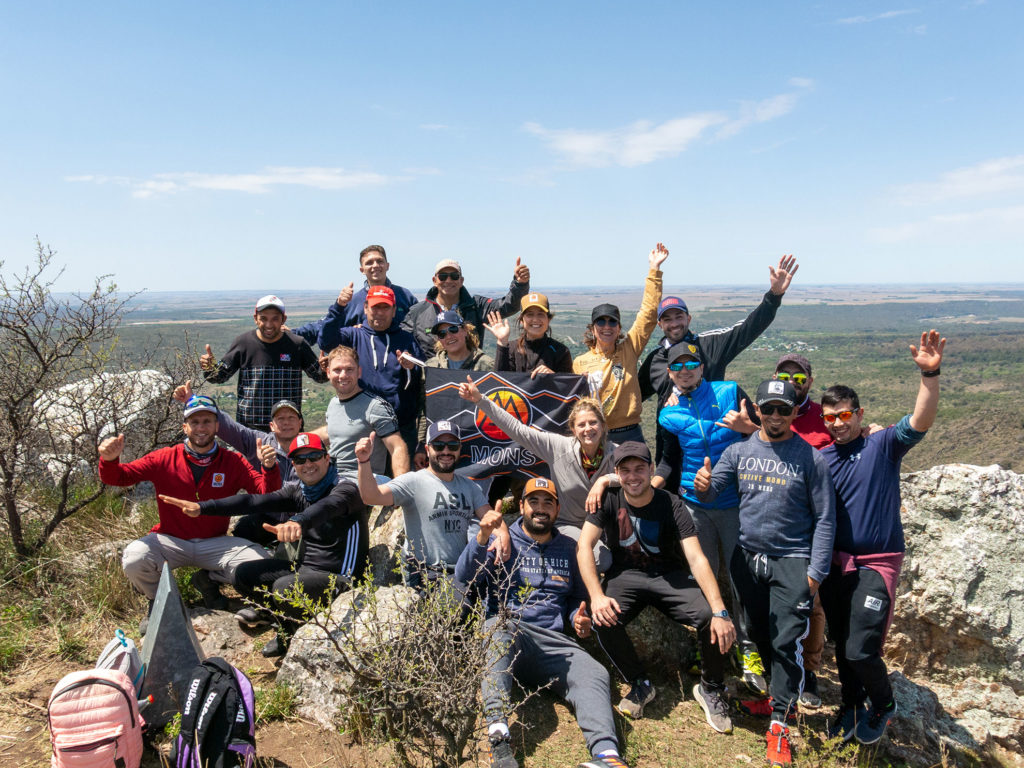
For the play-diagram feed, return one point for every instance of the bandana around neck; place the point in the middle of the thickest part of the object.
(318, 490)
(200, 459)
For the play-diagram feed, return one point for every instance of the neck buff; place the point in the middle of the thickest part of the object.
(319, 490)
(200, 459)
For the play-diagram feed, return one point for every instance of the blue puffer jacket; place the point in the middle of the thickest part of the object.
(692, 423)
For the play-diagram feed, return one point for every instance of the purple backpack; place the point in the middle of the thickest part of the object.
(218, 719)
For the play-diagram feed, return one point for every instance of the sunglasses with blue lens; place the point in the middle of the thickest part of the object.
(689, 365)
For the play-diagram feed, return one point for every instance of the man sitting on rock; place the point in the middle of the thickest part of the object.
(656, 560)
(860, 590)
(540, 588)
(197, 468)
(327, 519)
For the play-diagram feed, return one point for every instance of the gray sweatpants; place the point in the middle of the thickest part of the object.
(144, 558)
(536, 656)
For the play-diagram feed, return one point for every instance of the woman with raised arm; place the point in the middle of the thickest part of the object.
(535, 351)
(612, 361)
(574, 461)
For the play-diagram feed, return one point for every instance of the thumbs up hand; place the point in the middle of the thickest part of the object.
(581, 622)
(206, 359)
(521, 273)
(702, 480)
(266, 454)
(345, 295)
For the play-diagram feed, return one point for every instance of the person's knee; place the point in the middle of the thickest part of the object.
(139, 558)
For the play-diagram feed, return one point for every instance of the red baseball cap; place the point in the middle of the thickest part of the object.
(380, 294)
(306, 440)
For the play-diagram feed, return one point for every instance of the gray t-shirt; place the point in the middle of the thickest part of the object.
(355, 418)
(437, 515)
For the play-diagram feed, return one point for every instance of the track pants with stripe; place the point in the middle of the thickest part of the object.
(776, 601)
(278, 576)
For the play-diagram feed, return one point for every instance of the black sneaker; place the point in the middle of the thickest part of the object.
(810, 697)
(871, 728)
(276, 647)
(716, 710)
(250, 617)
(844, 722)
(502, 755)
(210, 590)
(144, 624)
(641, 693)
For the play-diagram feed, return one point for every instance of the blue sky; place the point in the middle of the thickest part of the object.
(261, 145)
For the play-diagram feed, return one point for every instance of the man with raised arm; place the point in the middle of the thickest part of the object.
(449, 293)
(787, 521)
(197, 468)
(860, 590)
(656, 560)
(533, 598)
(270, 362)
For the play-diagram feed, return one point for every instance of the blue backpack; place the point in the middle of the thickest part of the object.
(218, 719)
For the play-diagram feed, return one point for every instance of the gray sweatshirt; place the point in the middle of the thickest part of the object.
(787, 502)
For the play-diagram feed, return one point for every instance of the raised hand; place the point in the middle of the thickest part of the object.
(183, 392)
(581, 622)
(738, 421)
(782, 275)
(266, 454)
(468, 390)
(206, 359)
(521, 273)
(928, 356)
(364, 448)
(110, 449)
(286, 532)
(702, 480)
(345, 296)
(190, 508)
(404, 360)
(657, 256)
(498, 325)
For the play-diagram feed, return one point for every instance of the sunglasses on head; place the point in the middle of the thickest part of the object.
(445, 331)
(603, 321)
(452, 445)
(453, 276)
(796, 378)
(314, 456)
(768, 409)
(689, 365)
(830, 418)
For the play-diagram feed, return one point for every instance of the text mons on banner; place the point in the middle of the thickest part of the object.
(543, 403)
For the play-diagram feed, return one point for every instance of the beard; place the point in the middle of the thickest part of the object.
(434, 461)
(540, 527)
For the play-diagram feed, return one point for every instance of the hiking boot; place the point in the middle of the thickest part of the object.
(250, 617)
(144, 624)
(844, 722)
(870, 729)
(753, 671)
(604, 762)
(210, 590)
(716, 711)
(276, 647)
(641, 693)
(779, 753)
(810, 697)
(502, 755)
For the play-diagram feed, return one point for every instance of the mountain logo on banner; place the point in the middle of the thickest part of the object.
(512, 403)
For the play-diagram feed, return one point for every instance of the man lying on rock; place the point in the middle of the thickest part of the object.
(326, 518)
(533, 597)
(200, 469)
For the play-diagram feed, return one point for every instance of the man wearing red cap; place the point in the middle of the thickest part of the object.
(328, 517)
(270, 362)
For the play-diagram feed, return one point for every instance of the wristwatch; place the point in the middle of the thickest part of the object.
(722, 614)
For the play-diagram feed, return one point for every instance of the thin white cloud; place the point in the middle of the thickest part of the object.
(250, 183)
(978, 225)
(877, 16)
(998, 176)
(433, 127)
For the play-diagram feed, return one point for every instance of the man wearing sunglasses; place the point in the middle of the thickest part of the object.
(859, 593)
(321, 514)
(438, 506)
(787, 523)
(449, 293)
(796, 369)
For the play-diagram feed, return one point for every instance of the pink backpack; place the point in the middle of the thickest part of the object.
(94, 721)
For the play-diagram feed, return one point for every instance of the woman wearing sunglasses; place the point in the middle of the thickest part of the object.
(611, 362)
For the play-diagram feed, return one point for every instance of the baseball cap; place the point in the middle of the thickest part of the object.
(443, 427)
(773, 390)
(671, 302)
(632, 449)
(268, 301)
(447, 263)
(541, 484)
(285, 404)
(380, 294)
(800, 360)
(605, 310)
(449, 316)
(683, 349)
(200, 403)
(534, 300)
(305, 440)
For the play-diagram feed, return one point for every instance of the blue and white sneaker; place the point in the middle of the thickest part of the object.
(844, 722)
(871, 728)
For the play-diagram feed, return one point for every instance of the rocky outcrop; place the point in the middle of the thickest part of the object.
(387, 533)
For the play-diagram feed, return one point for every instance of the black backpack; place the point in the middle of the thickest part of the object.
(218, 719)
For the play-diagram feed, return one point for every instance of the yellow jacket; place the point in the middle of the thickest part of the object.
(613, 378)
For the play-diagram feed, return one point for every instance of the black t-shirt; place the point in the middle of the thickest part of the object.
(644, 538)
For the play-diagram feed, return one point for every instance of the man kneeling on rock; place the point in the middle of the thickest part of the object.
(656, 560)
(327, 520)
(539, 587)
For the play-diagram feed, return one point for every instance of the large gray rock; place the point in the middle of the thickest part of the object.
(387, 534)
(220, 635)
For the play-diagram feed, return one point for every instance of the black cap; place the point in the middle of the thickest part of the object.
(772, 390)
(683, 349)
(632, 449)
(605, 310)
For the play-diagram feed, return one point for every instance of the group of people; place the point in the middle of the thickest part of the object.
(791, 505)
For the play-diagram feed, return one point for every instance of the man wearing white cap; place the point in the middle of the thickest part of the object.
(270, 362)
